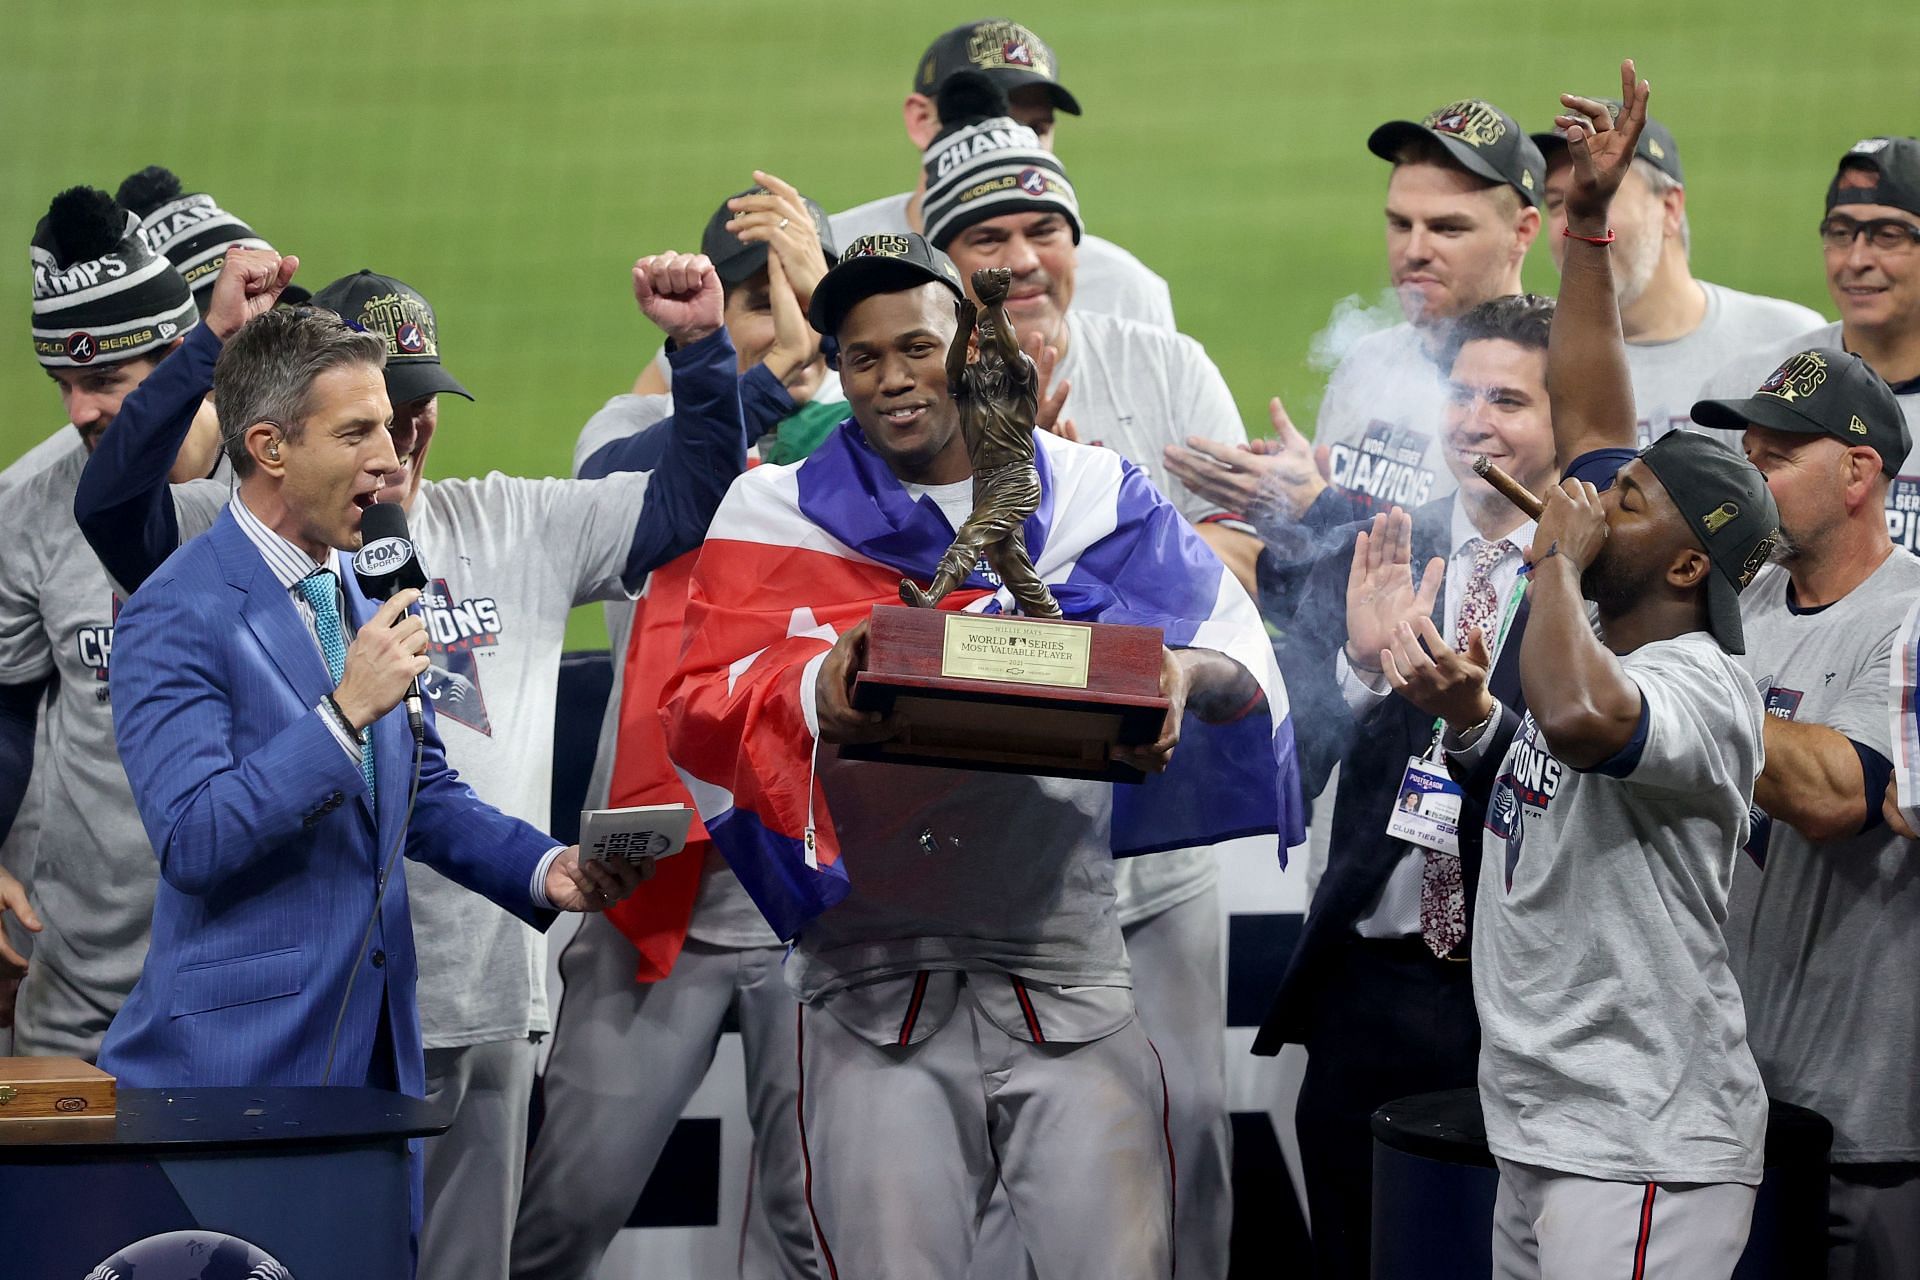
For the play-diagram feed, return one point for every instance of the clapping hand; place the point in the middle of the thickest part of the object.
(1266, 481)
(777, 217)
(1381, 596)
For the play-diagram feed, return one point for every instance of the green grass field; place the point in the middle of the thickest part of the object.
(511, 160)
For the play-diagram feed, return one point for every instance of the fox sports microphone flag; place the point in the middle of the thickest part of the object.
(800, 554)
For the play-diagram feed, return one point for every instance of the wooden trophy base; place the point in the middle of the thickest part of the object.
(43, 1097)
(1010, 694)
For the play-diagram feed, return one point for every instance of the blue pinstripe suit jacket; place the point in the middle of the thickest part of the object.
(269, 851)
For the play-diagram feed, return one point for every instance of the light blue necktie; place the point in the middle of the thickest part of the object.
(322, 592)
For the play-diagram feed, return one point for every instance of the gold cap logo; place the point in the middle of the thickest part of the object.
(1716, 519)
(877, 246)
(1473, 122)
(1655, 150)
(1762, 552)
(1856, 426)
(1797, 379)
(1008, 46)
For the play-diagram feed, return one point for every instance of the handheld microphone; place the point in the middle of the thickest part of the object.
(386, 563)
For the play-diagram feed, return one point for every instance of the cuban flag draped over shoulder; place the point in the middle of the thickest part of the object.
(800, 554)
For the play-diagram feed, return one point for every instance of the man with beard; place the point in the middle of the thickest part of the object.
(1615, 812)
(1675, 325)
(1824, 919)
(1871, 241)
(507, 559)
(106, 308)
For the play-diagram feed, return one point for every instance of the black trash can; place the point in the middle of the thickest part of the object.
(1434, 1182)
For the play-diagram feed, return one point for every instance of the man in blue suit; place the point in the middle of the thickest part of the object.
(259, 721)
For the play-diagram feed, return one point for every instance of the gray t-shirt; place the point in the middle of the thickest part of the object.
(1740, 377)
(1106, 278)
(92, 870)
(723, 914)
(1825, 939)
(1613, 1042)
(506, 559)
(1137, 389)
(1667, 375)
(23, 836)
(984, 871)
(1381, 420)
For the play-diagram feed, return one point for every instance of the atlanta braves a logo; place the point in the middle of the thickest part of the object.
(455, 631)
(81, 347)
(1033, 182)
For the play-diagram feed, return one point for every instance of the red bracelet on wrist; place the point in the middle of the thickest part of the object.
(1603, 241)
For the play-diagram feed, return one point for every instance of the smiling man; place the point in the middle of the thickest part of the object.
(106, 308)
(966, 1014)
(507, 559)
(1870, 237)
(272, 761)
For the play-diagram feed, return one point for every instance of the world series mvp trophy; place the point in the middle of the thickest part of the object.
(1034, 694)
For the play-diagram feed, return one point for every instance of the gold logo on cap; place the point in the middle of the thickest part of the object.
(1856, 426)
(1008, 46)
(1655, 150)
(404, 322)
(1717, 518)
(1797, 379)
(1762, 552)
(1472, 121)
(877, 246)
(1526, 179)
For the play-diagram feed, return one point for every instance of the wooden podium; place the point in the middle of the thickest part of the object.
(1010, 694)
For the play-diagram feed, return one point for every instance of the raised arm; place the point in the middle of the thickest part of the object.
(966, 313)
(122, 503)
(1587, 379)
(1585, 703)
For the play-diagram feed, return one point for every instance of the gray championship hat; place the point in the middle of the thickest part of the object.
(1821, 391)
(1725, 502)
(1482, 139)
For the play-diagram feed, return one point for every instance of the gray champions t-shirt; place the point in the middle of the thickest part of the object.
(92, 869)
(1613, 1042)
(723, 914)
(1825, 938)
(1667, 375)
(1106, 278)
(1740, 377)
(1381, 420)
(506, 559)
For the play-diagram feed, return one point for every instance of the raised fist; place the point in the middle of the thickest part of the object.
(990, 285)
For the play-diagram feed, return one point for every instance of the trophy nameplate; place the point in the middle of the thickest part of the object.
(965, 709)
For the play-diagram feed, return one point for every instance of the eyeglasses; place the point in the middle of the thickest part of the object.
(1890, 234)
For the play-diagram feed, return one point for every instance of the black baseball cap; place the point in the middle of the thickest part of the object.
(389, 309)
(1484, 140)
(1821, 391)
(1007, 51)
(1656, 145)
(1895, 163)
(1725, 501)
(734, 259)
(878, 264)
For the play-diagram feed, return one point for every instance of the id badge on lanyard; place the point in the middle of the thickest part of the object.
(1426, 807)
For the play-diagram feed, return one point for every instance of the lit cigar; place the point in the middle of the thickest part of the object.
(1510, 489)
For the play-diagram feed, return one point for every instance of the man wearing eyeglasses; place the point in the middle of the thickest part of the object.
(1871, 238)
